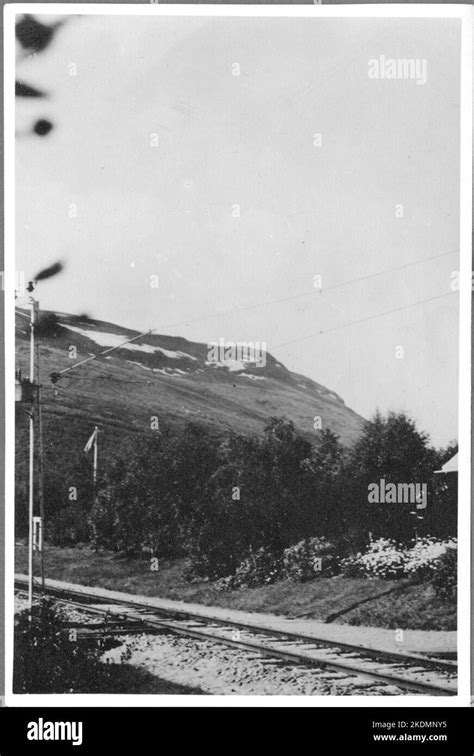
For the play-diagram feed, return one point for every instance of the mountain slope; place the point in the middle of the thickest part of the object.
(170, 378)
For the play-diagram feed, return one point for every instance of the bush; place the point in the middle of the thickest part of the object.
(46, 660)
(388, 560)
(444, 574)
(69, 527)
(423, 557)
(305, 560)
(310, 558)
(383, 559)
(259, 568)
(211, 561)
(103, 523)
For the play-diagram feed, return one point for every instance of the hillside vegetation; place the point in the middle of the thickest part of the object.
(236, 496)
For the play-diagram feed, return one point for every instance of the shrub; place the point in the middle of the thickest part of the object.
(259, 568)
(423, 557)
(388, 560)
(103, 523)
(383, 559)
(47, 661)
(211, 561)
(305, 560)
(310, 558)
(69, 527)
(444, 574)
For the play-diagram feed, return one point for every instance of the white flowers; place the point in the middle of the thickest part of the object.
(386, 559)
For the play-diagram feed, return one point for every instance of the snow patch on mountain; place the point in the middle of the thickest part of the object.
(232, 365)
(169, 372)
(104, 339)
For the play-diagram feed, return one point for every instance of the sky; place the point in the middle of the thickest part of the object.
(185, 149)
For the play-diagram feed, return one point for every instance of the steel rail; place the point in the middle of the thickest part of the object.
(174, 621)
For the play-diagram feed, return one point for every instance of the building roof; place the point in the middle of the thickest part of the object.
(450, 466)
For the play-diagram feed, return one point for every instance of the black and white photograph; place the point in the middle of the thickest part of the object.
(240, 428)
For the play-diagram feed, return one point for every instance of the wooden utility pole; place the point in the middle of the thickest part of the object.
(33, 320)
(40, 462)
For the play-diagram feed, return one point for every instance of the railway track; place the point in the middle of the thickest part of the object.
(409, 673)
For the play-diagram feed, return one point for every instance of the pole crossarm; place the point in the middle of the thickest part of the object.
(23, 314)
(106, 351)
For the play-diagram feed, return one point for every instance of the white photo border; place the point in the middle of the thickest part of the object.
(464, 14)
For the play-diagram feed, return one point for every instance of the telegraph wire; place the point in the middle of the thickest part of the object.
(293, 297)
(275, 301)
(322, 290)
(364, 320)
(151, 380)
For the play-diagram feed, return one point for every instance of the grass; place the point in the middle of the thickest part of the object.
(408, 606)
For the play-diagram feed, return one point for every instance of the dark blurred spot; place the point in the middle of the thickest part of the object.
(49, 272)
(33, 35)
(42, 127)
(48, 325)
(24, 90)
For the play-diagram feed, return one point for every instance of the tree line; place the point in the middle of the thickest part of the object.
(187, 492)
